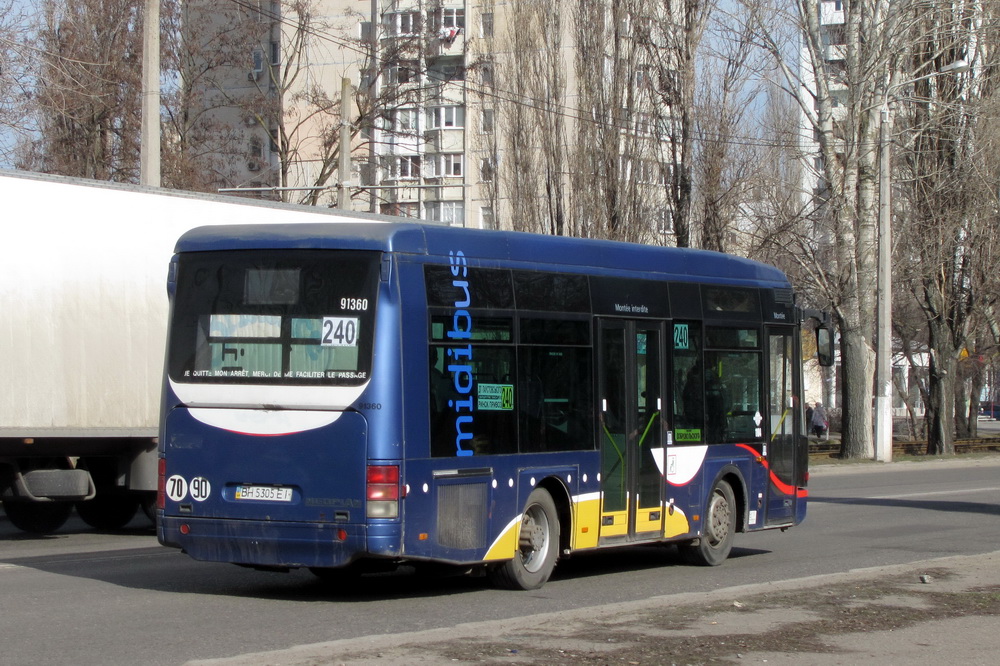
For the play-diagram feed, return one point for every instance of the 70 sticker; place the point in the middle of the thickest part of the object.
(178, 488)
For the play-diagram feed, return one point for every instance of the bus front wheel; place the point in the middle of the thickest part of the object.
(538, 546)
(713, 546)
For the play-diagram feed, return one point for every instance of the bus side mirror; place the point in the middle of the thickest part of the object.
(824, 346)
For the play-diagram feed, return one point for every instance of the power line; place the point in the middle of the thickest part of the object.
(497, 93)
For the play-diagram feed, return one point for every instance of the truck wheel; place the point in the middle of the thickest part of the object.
(148, 506)
(538, 546)
(37, 517)
(107, 512)
(712, 548)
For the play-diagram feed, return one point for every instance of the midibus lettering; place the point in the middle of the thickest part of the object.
(464, 286)
(459, 265)
(460, 353)
(461, 436)
(458, 405)
(464, 331)
(461, 378)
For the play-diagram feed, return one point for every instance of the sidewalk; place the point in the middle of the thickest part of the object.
(938, 611)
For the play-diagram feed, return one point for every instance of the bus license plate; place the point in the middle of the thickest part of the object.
(264, 493)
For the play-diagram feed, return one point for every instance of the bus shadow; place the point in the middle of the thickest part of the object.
(631, 558)
(951, 506)
(165, 570)
(416, 582)
(138, 526)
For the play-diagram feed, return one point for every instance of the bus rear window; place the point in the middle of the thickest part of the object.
(294, 317)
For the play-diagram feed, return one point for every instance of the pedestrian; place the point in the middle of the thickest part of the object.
(818, 421)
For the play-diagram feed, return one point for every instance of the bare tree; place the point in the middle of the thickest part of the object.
(199, 141)
(868, 46)
(726, 157)
(685, 23)
(625, 142)
(86, 99)
(888, 58)
(533, 174)
(15, 79)
(582, 146)
(258, 83)
(946, 230)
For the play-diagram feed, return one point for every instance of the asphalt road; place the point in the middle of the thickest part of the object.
(82, 597)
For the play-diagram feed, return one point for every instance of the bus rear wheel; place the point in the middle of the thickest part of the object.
(37, 517)
(712, 548)
(538, 546)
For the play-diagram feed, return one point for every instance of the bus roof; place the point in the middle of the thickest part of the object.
(509, 248)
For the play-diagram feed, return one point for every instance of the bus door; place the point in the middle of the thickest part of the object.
(630, 404)
(787, 449)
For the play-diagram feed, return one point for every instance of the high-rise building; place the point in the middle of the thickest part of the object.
(546, 115)
(832, 30)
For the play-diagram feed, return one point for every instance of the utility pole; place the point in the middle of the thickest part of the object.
(883, 346)
(344, 200)
(149, 143)
(883, 322)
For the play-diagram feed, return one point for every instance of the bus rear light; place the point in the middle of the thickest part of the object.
(383, 509)
(383, 474)
(382, 491)
(161, 484)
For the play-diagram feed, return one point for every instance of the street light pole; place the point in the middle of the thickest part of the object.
(883, 344)
(883, 337)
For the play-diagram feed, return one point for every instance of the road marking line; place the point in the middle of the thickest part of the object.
(967, 491)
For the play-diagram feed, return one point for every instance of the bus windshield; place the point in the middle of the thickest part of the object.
(295, 317)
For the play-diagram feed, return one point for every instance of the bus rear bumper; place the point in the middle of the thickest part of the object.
(278, 544)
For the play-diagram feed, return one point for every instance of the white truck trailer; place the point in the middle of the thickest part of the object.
(83, 312)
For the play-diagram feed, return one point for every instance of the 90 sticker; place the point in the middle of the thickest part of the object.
(200, 489)
(178, 487)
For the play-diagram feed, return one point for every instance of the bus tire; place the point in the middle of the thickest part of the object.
(712, 547)
(37, 517)
(108, 512)
(538, 546)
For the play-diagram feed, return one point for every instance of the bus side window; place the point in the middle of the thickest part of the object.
(471, 393)
(688, 383)
(733, 384)
(555, 395)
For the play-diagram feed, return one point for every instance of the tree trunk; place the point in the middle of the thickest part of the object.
(963, 421)
(978, 381)
(940, 408)
(858, 374)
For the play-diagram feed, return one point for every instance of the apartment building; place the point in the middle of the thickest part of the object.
(832, 28)
(484, 113)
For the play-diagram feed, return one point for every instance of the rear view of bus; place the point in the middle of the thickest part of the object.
(267, 350)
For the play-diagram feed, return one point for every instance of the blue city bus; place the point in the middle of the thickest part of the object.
(349, 397)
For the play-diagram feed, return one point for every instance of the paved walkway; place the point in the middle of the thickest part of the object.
(924, 613)
(933, 612)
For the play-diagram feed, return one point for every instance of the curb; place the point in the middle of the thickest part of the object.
(420, 646)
